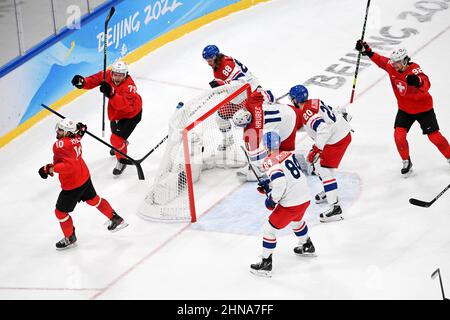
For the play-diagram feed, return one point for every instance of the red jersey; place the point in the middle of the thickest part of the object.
(230, 69)
(409, 98)
(69, 164)
(126, 102)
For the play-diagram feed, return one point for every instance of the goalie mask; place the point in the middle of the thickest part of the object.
(242, 118)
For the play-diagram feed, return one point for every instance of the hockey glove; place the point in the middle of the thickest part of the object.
(364, 48)
(78, 81)
(44, 171)
(314, 154)
(413, 80)
(270, 204)
(82, 128)
(216, 83)
(263, 186)
(107, 90)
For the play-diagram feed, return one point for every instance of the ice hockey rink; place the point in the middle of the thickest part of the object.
(385, 248)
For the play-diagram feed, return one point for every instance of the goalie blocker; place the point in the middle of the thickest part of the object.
(201, 137)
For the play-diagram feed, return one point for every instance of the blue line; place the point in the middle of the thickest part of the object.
(51, 40)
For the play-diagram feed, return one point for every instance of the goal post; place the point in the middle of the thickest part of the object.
(201, 137)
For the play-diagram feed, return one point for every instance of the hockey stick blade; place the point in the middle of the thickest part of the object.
(419, 203)
(111, 12)
(435, 273)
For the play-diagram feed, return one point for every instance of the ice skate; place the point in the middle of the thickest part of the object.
(67, 243)
(116, 223)
(119, 168)
(321, 197)
(407, 168)
(262, 268)
(306, 249)
(333, 214)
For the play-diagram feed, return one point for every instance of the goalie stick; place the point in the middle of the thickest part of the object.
(138, 166)
(425, 204)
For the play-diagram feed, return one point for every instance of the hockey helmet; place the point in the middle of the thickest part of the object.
(398, 54)
(66, 125)
(120, 67)
(399, 58)
(242, 117)
(298, 93)
(210, 52)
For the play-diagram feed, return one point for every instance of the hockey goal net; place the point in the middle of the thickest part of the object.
(201, 137)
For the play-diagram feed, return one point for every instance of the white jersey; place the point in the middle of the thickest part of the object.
(322, 124)
(272, 117)
(287, 181)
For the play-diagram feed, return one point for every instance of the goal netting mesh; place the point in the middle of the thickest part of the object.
(201, 137)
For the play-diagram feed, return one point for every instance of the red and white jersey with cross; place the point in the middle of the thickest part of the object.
(409, 98)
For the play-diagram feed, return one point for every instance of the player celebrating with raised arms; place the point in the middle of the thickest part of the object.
(288, 198)
(75, 181)
(410, 85)
(331, 135)
(124, 105)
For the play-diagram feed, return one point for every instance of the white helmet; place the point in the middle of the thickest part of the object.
(399, 55)
(66, 125)
(242, 117)
(120, 67)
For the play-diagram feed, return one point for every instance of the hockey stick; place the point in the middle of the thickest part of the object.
(126, 161)
(279, 98)
(105, 45)
(433, 276)
(359, 54)
(250, 165)
(129, 161)
(138, 166)
(425, 204)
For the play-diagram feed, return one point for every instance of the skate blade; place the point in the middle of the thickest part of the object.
(120, 227)
(261, 273)
(408, 174)
(306, 255)
(320, 201)
(332, 219)
(70, 246)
